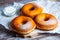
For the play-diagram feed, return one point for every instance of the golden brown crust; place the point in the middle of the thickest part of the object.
(23, 25)
(46, 21)
(31, 10)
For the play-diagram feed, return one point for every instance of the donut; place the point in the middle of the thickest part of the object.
(46, 21)
(31, 10)
(22, 25)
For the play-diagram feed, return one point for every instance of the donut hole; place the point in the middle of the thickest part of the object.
(46, 19)
(24, 22)
(32, 8)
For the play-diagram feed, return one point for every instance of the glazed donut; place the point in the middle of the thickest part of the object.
(46, 21)
(23, 25)
(31, 10)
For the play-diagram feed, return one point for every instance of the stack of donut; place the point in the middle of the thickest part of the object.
(33, 18)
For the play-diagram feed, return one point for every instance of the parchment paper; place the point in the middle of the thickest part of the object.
(48, 7)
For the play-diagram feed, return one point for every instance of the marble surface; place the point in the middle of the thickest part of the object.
(9, 35)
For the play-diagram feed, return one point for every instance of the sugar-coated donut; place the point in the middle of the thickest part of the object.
(46, 21)
(23, 25)
(31, 10)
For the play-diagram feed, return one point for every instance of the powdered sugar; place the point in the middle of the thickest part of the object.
(50, 21)
(9, 11)
(26, 25)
